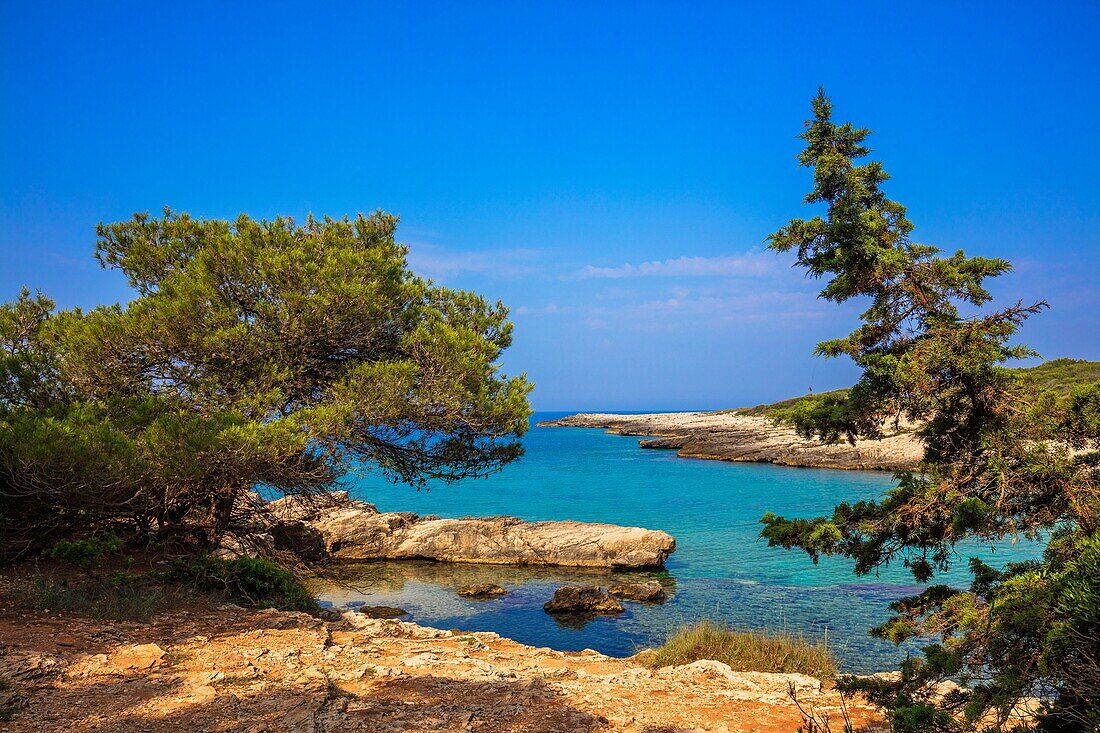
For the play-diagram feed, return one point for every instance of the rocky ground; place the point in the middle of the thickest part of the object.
(729, 436)
(227, 669)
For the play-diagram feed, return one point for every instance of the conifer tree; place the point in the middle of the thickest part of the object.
(1002, 458)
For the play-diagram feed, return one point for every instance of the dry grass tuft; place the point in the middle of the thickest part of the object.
(744, 651)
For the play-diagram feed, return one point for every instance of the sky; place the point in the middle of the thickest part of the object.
(609, 170)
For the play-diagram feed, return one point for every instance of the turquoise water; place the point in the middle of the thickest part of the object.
(719, 570)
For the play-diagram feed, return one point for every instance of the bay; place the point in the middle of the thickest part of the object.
(720, 570)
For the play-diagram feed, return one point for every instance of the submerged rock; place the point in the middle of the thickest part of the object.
(648, 592)
(481, 590)
(382, 611)
(356, 530)
(583, 599)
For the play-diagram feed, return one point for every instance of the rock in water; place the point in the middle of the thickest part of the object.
(382, 611)
(648, 592)
(481, 590)
(355, 530)
(583, 599)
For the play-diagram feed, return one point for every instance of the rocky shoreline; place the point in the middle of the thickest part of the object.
(729, 436)
(228, 668)
(338, 528)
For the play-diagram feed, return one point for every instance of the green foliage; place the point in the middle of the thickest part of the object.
(82, 553)
(745, 651)
(255, 354)
(249, 581)
(782, 410)
(1007, 453)
(1063, 375)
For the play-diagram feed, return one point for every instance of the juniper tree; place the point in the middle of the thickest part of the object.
(255, 355)
(1002, 458)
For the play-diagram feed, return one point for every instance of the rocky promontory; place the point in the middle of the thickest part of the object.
(729, 436)
(345, 529)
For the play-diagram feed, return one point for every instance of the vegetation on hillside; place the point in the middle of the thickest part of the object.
(1063, 375)
(782, 409)
(744, 650)
(255, 355)
(1057, 375)
(1005, 456)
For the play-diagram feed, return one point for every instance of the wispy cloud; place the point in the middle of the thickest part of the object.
(680, 309)
(747, 264)
(442, 263)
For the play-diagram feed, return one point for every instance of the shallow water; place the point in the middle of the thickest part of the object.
(720, 569)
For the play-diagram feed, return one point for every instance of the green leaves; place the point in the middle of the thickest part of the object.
(256, 353)
(1003, 457)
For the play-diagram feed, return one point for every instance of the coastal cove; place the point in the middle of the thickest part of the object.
(720, 569)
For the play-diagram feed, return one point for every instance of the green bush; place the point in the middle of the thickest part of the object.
(250, 581)
(82, 553)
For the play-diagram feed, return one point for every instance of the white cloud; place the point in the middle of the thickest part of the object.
(441, 263)
(748, 264)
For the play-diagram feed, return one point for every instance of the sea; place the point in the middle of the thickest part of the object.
(721, 569)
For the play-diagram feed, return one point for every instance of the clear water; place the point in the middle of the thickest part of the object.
(720, 569)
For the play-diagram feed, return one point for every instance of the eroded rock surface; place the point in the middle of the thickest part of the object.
(650, 591)
(356, 530)
(268, 671)
(583, 599)
(728, 436)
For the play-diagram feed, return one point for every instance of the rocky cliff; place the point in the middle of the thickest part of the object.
(729, 436)
(355, 530)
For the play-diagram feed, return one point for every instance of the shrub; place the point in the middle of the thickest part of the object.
(82, 553)
(250, 581)
(744, 651)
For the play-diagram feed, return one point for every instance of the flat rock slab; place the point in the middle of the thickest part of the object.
(356, 530)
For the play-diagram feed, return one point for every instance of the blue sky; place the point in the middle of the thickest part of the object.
(609, 170)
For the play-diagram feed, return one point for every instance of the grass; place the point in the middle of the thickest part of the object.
(744, 651)
(96, 598)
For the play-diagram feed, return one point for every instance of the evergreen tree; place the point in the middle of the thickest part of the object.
(1002, 458)
(255, 355)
